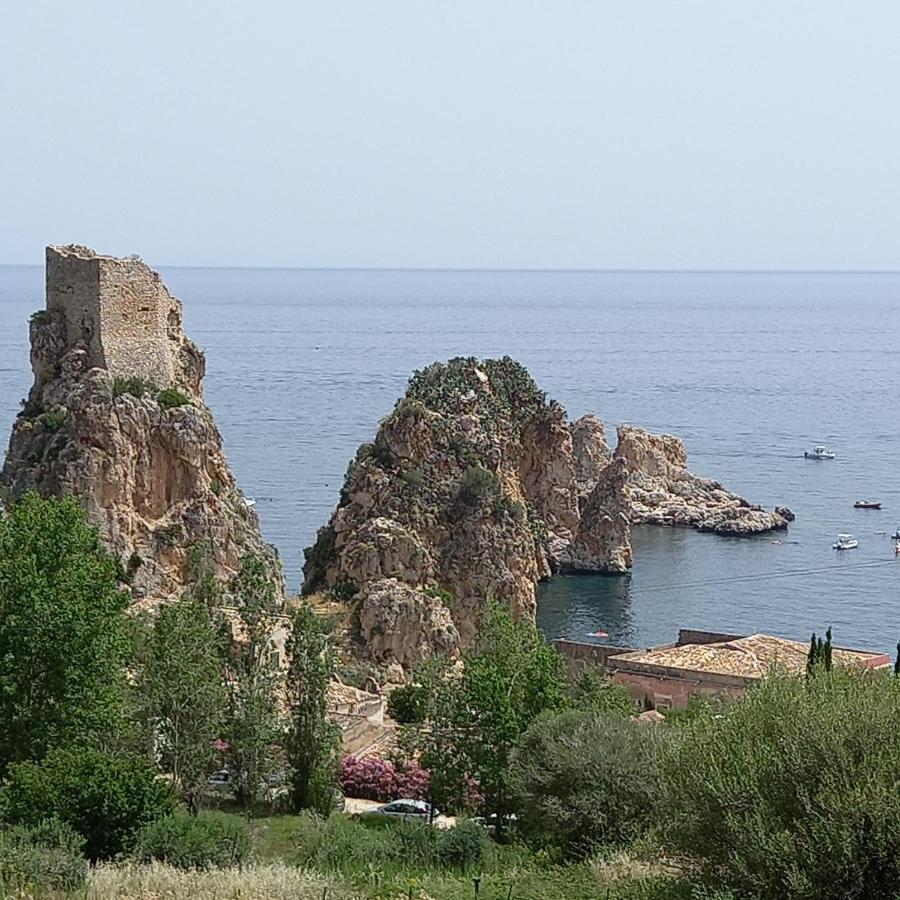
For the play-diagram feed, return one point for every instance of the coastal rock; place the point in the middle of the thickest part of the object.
(468, 489)
(402, 625)
(604, 532)
(591, 452)
(116, 417)
(661, 490)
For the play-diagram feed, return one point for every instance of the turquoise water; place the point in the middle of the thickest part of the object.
(749, 369)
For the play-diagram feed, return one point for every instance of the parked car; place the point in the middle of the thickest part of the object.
(408, 810)
(219, 781)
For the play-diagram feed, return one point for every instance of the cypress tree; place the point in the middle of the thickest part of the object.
(812, 656)
(897, 661)
(826, 654)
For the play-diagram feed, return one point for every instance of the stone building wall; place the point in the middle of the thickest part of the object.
(73, 289)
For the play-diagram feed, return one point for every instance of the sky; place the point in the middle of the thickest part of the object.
(674, 134)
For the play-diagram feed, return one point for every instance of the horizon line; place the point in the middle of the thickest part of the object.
(507, 269)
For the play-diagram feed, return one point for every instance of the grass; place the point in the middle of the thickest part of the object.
(269, 881)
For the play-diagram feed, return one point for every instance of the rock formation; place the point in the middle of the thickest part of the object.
(661, 490)
(472, 489)
(116, 417)
(476, 487)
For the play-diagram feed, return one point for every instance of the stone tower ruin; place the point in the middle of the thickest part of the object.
(118, 308)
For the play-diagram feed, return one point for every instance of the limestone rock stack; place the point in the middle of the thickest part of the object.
(661, 490)
(116, 417)
(471, 490)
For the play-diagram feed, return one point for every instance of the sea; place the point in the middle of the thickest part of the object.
(749, 369)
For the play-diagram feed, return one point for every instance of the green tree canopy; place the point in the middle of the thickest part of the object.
(477, 716)
(792, 790)
(62, 635)
(255, 681)
(312, 739)
(185, 697)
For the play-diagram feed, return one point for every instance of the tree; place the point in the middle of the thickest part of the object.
(62, 638)
(595, 691)
(584, 779)
(790, 791)
(107, 798)
(477, 717)
(312, 739)
(254, 684)
(897, 661)
(185, 695)
(820, 655)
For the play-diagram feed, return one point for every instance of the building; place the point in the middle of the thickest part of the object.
(704, 663)
(117, 309)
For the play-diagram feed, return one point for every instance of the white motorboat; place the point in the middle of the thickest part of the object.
(819, 452)
(845, 542)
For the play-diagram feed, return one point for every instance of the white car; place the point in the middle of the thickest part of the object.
(409, 810)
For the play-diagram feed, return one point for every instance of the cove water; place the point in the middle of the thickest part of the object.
(749, 369)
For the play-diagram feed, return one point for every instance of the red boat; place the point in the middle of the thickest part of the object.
(866, 504)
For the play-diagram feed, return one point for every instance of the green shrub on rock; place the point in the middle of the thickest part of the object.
(46, 857)
(133, 385)
(205, 841)
(105, 798)
(477, 484)
(170, 398)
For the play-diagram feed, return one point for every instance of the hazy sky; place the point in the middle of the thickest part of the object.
(470, 133)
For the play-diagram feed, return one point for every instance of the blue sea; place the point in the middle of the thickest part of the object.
(749, 369)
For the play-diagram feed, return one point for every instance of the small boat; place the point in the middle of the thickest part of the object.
(845, 542)
(819, 452)
(250, 502)
(897, 547)
(867, 504)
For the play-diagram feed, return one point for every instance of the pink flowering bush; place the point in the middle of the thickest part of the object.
(371, 778)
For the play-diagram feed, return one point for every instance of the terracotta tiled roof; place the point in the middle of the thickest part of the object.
(747, 657)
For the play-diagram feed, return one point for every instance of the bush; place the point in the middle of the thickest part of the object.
(791, 791)
(342, 844)
(371, 778)
(133, 385)
(477, 484)
(105, 798)
(47, 857)
(169, 398)
(594, 691)
(53, 420)
(583, 780)
(408, 704)
(464, 847)
(205, 841)
(336, 843)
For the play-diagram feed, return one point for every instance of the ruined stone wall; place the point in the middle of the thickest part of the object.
(134, 312)
(118, 308)
(73, 289)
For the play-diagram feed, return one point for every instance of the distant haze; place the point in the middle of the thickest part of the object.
(454, 133)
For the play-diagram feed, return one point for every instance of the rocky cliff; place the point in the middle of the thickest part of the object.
(145, 457)
(472, 489)
(475, 487)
